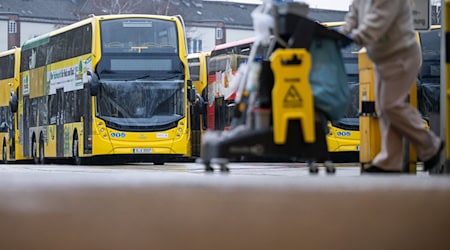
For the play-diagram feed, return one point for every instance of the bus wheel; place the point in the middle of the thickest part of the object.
(4, 154)
(41, 151)
(75, 152)
(34, 151)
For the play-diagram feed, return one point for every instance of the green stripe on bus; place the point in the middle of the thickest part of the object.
(35, 42)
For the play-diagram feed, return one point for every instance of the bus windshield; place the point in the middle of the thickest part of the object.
(136, 47)
(137, 103)
(136, 35)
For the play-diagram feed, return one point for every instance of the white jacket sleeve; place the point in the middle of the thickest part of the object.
(376, 20)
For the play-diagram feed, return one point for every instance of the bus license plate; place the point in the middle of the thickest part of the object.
(142, 150)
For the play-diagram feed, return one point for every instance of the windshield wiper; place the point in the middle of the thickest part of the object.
(143, 77)
(107, 71)
(162, 76)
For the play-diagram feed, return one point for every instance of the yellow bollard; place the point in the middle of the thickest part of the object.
(370, 143)
(445, 111)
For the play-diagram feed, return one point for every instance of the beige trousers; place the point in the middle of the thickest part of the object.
(398, 119)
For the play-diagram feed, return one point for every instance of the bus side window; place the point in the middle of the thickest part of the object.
(52, 108)
(430, 43)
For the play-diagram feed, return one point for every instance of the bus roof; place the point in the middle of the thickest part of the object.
(198, 55)
(8, 52)
(249, 40)
(44, 38)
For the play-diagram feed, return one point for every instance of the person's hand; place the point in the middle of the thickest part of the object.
(346, 40)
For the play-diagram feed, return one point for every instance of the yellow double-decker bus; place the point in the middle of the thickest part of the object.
(111, 86)
(9, 82)
(197, 70)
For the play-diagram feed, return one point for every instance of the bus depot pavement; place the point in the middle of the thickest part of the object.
(79, 207)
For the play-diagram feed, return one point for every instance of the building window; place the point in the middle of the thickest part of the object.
(12, 27)
(219, 34)
(194, 45)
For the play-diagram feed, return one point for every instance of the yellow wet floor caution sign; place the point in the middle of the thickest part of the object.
(292, 95)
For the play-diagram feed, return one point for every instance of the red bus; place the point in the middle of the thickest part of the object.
(224, 62)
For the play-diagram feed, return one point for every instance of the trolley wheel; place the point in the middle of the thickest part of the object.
(313, 167)
(206, 163)
(329, 167)
(224, 168)
(222, 162)
(208, 167)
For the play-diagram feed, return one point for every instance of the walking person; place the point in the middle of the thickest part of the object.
(385, 28)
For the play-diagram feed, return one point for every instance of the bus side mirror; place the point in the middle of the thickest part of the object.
(191, 91)
(201, 104)
(94, 83)
(13, 103)
(203, 110)
(4, 127)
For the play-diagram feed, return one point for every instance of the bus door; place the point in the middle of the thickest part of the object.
(12, 135)
(60, 122)
(87, 121)
(25, 138)
(220, 113)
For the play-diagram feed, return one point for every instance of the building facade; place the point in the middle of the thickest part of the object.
(207, 22)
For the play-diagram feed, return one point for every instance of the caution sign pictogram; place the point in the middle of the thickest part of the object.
(292, 99)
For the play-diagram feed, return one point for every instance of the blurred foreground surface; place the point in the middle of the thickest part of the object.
(255, 206)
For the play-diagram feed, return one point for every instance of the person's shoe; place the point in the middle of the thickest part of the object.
(377, 170)
(434, 160)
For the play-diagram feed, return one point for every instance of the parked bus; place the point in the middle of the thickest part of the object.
(197, 70)
(111, 86)
(224, 61)
(429, 82)
(9, 82)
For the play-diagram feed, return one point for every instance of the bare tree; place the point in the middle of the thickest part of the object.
(118, 6)
(159, 7)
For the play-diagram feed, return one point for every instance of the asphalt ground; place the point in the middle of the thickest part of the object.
(179, 206)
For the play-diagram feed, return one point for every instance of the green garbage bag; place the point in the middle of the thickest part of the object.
(328, 78)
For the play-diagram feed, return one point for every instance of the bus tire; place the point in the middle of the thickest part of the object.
(4, 154)
(75, 151)
(41, 150)
(34, 150)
